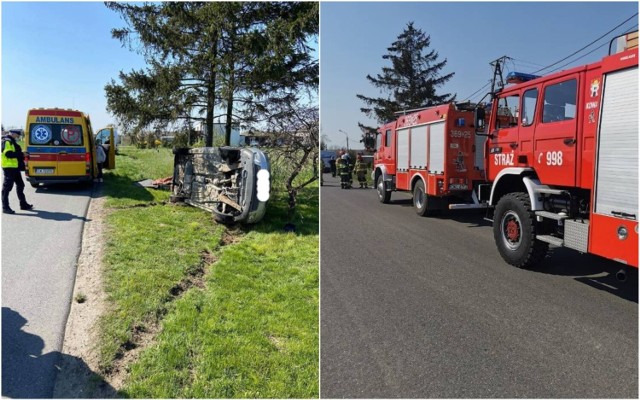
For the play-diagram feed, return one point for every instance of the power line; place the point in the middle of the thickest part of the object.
(576, 52)
(559, 61)
(583, 56)
(519, 61)
(474, 93)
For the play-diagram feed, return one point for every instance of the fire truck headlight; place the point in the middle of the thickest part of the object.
(622, 233)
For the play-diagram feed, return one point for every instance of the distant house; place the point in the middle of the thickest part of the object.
(219, 132)
(254, 138)
(260, 138)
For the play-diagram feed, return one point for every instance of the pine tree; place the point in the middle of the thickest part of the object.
(411, 80)
(205, 57)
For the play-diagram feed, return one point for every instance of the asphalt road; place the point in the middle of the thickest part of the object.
(426, 307)
(40, 249)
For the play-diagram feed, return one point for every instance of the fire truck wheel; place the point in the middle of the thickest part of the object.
(514, 231)
(420, 199)
(383, 194)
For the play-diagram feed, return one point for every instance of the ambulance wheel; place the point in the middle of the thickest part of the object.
(34, 184)
(383, 194)
(514, 231)
(420, 199)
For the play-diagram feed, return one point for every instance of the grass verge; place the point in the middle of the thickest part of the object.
(211, 315)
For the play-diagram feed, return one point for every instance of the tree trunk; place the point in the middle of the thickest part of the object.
(211, 96)
(208, 142)
(231, 89)
(228, 126)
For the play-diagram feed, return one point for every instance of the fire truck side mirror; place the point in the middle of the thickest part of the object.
(369, 142)
(478, 116)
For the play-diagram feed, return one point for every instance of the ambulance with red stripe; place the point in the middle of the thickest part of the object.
(60, 147)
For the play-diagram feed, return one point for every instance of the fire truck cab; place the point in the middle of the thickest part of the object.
(562, 161)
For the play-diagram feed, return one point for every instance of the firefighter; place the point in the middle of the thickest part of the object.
(339, 170)
(346, 175)
(12, 165)
(344, 171)
(360, 169)
(332, 165)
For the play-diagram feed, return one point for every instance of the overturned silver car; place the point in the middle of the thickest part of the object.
(231, 182)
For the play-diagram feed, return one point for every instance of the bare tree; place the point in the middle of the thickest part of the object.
(293, 132)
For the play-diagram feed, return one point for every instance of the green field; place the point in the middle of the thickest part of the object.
(211, 311)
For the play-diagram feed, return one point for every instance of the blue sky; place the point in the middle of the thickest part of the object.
(60, 55)
(354, 36)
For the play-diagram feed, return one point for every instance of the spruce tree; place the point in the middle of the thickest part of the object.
(411, 80)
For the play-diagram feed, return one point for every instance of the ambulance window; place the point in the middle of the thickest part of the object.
(55, 135)
(387, 138)
(508, 111)
(560, 101)
(529, 101)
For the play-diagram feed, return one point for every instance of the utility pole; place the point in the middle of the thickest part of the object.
(497, 72)
(347, 135)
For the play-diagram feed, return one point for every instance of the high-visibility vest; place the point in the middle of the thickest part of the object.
(360, 166)
(6, 161)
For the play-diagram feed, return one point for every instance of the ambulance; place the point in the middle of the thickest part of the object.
(60, 147)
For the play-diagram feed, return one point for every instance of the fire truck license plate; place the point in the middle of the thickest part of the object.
(458, 187)
(44, 170)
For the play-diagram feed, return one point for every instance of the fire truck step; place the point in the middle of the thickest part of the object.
(550, 239)
(544, 190)
(467, 206)
(551, 215)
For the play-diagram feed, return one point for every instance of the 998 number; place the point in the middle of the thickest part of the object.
(554, 158)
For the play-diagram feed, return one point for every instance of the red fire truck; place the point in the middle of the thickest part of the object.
(557, 162)
(431, 153)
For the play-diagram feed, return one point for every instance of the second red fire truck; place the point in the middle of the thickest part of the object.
(555, 163)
